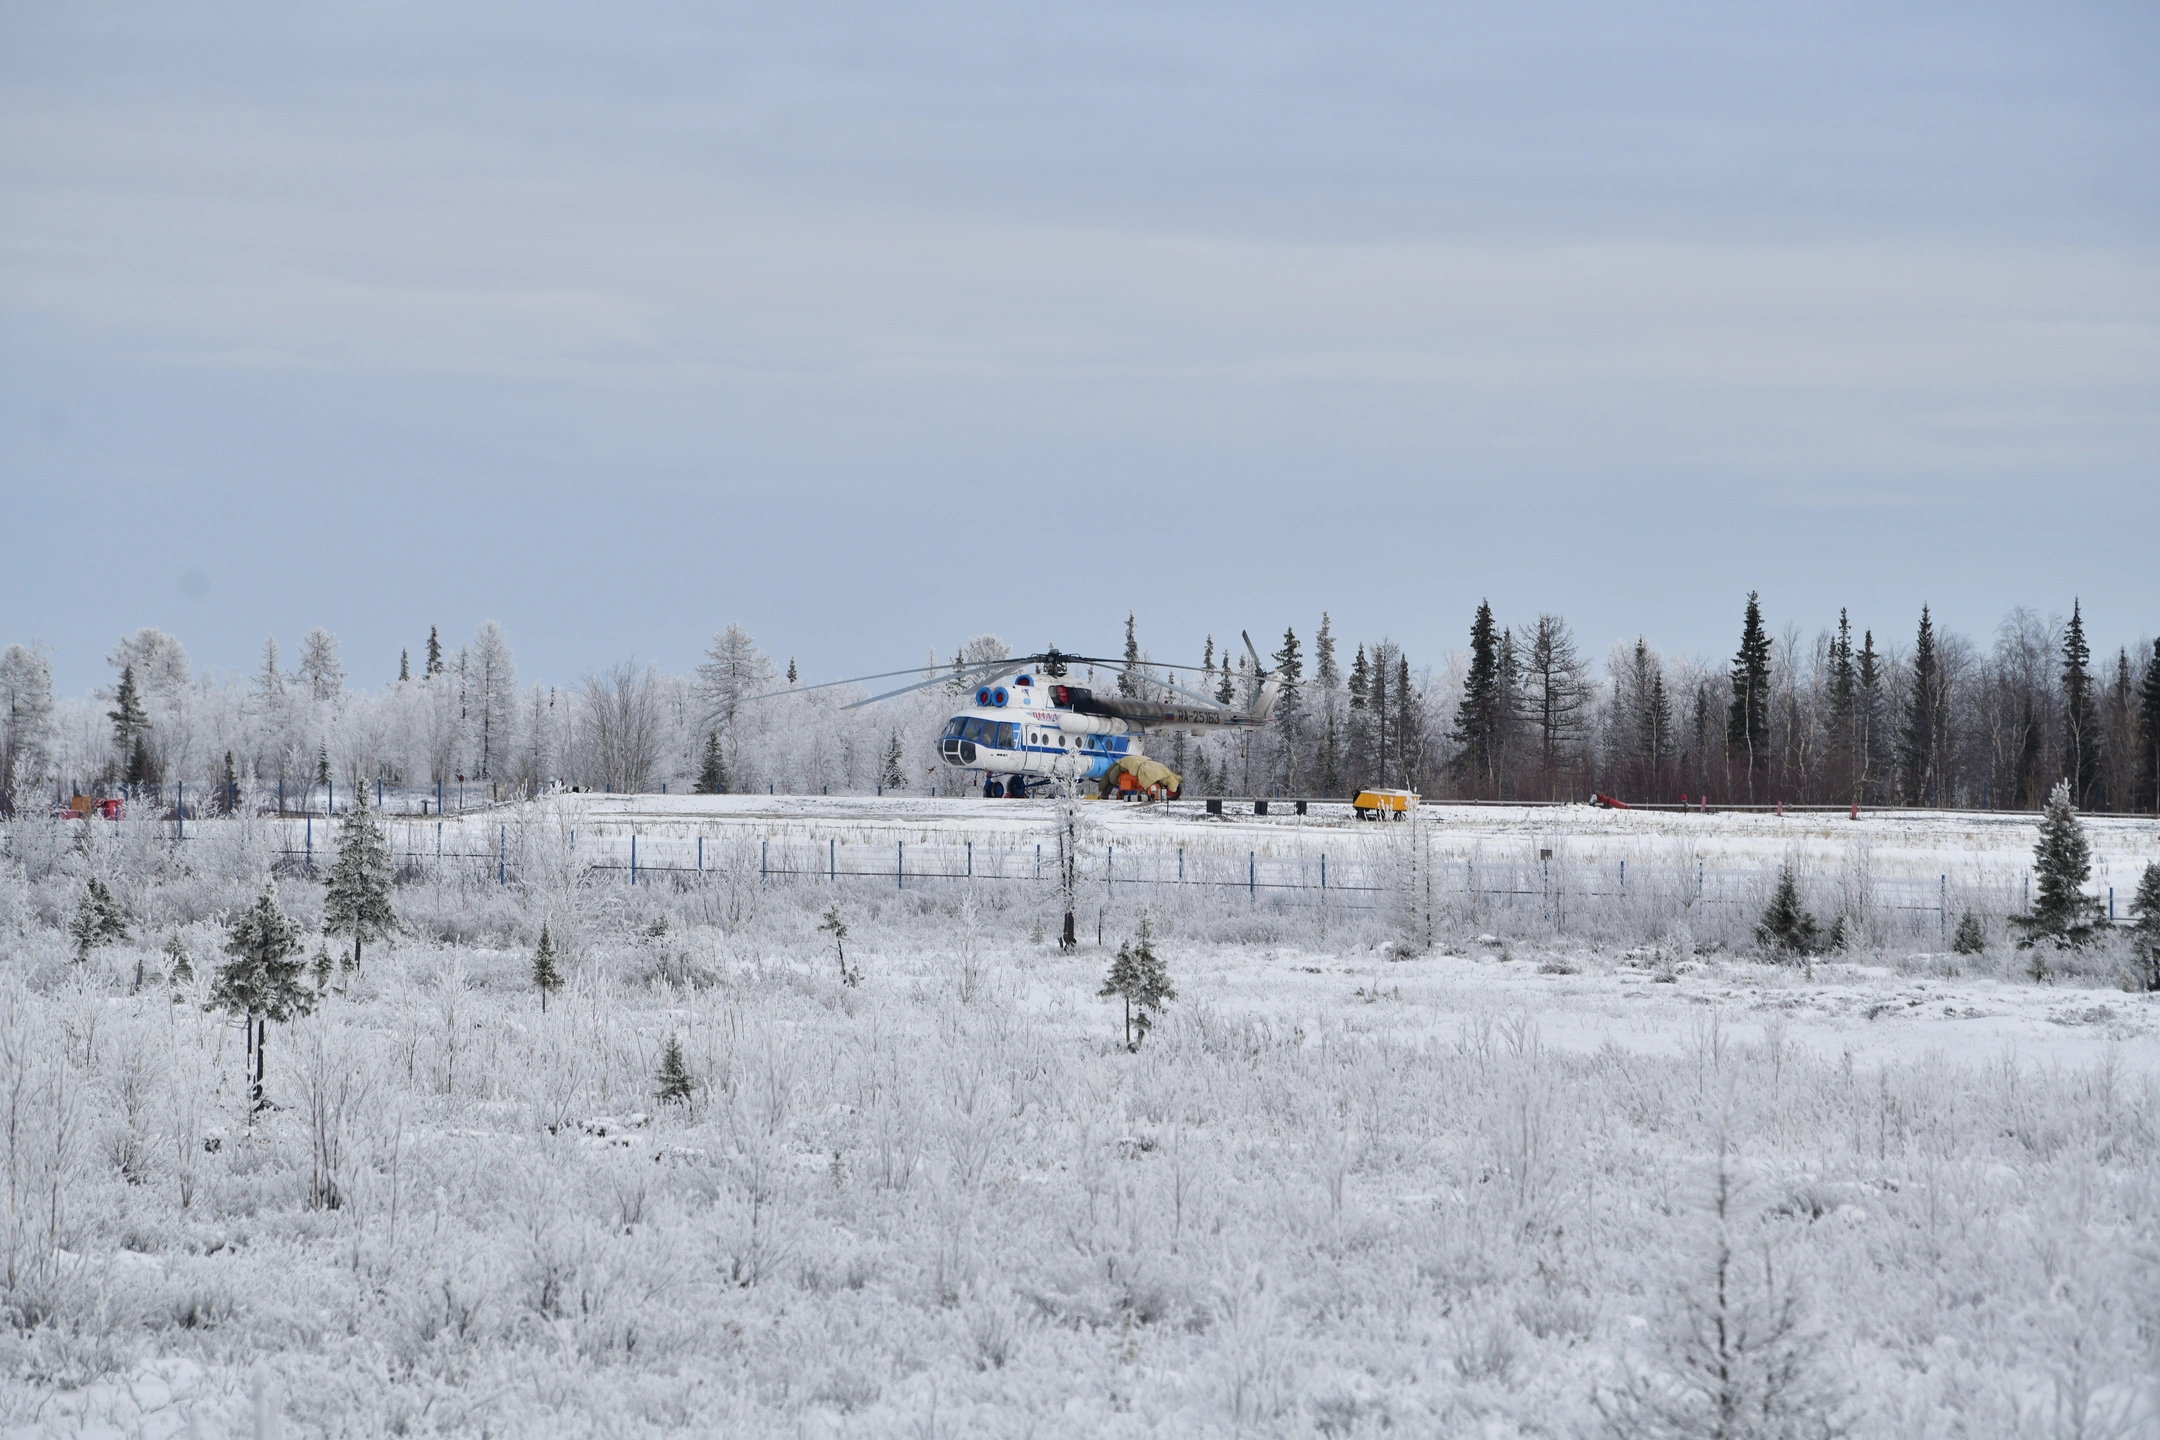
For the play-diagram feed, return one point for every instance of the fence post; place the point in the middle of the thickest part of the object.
(281, 796)
(1942, 907)
(701, 854)
(832, 860)
(1252, 875)
(2111, 904)
(1038, 860)
(1109, 864)
(971, 859)
(1323, 872)
(438, 850)
(900, 867)
(502, 853)
(633, 857)
(1181, 864)
(761, 853)
(329, 797)
(310, 842)
(180, 815)
(1623, 877)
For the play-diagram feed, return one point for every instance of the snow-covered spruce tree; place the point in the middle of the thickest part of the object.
(1140, 976)
(180, 969)
(1787, 930)
(892, 776)
(712, 776)
(97, 921)
(261, 981)
(358, 900)
(546, 978)
(675, 1087)
(1733, 1357)
(1970, 938)
(2062, 863)
(2145, 934)
(837, 928)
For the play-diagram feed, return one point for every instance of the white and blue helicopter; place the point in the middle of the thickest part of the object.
(1029, 728)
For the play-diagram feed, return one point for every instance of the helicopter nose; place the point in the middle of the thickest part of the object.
(957, 751)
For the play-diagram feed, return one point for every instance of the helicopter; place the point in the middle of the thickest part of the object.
(1029, 728)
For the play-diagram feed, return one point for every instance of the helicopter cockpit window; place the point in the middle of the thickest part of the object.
(955, 726)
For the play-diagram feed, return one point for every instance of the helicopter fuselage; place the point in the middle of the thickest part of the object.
(1055, 730)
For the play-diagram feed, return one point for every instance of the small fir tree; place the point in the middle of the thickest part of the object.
(892, 777)
(2145, 933)
(791, 675)
(229, 787)
(1787, 930)
(179, 969)
(136, 773)
(712, 776)
(434, 652)
(1840, 939)
(1140, 976)
(837, 928)
(676, 1086)
(97, 921)
(261, 979)
(2062, 862)
(357, 902)
(322, 969)
(1970, 937)
(546, 978)
(404, 666)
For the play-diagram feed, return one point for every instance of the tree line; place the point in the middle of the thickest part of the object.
(1521, 713)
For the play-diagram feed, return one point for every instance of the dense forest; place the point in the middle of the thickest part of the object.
(1930, 718)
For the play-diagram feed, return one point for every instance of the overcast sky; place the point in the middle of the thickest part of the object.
(875, 327)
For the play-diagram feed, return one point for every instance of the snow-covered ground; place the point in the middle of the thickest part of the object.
(1350, 1184)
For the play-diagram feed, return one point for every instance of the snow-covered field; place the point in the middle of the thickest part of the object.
(1507, 1182)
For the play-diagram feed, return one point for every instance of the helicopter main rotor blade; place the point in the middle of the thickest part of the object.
(832, 684)
(965, 675)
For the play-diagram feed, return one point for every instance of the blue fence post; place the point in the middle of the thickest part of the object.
(1181, 864)
(2111, 904)
(1252, 875)
(900, 867)
(1038, 859)
(1323, 872)
(329, 797)
(701, 854)
(311, 843)
(180, 815)
(1942, 908)
(633, 857)
(281, 795)
(438, 849)
(762, 868)
(971, 875)
(502, 855)
(378, 792)
(1623, 877)
(1109, 867)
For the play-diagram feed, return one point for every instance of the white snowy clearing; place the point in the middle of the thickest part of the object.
(1471, 1139)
